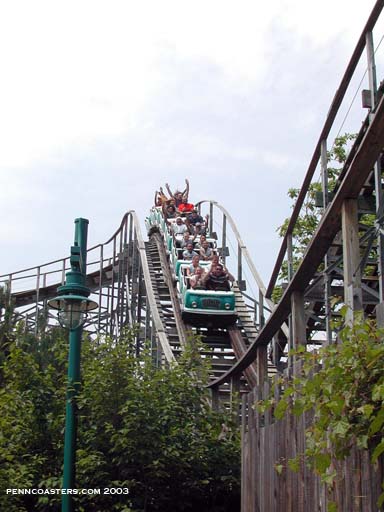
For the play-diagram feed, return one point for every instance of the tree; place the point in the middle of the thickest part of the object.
(32, 398)
(146, 429)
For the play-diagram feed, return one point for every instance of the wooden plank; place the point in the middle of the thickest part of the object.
(275, 449)
(244, 452)
(261, 453)
(300, 474)
(367, 483)
(357, 485)
(291, 476)
(234, 398)
(355, 468)
(262, 364)
(311, 496)
(268, 441)
(345, 484)
(251, 491)
(298, 325)
(353, 297)
(215, 398)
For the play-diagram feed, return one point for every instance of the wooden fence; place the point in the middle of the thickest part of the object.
(267, 442)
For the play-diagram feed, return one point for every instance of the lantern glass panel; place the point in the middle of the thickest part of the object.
(72, 313)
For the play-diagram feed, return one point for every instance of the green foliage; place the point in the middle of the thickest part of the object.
(156, 430)
(343, 386)
(31, 415)
(7, 324)
(143, 428)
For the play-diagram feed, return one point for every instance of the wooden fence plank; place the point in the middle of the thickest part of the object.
(244, 451)
(267, 442)
(367, 481)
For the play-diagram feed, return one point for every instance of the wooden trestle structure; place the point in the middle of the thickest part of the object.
(132, 281)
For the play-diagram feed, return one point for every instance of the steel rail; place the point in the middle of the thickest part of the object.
(361, 166)
(334, 108)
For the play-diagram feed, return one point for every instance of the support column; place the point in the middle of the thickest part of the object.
(327, 283)
(262, 364)
(235, 398)
(299, 331)
(290, 275)
(261, 310)
(351, 259)
(262, 351)
(224, 239)
(239, 266)
(215, 399)
(210, 219)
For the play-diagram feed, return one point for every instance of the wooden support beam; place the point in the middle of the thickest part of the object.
(235, 398)
(262, 364)
(215, 399)
(278, 345)
(298, 319)
(298, 325)
(380, 315)
(353, 296)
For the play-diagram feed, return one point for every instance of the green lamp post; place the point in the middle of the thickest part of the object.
(72, 304)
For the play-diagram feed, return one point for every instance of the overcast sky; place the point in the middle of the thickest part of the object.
(101, 102)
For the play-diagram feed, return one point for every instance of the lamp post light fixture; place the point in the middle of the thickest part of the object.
(72, 304)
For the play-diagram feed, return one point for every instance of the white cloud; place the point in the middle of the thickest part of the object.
(120, 96)
(276, 160)
(326, 20)
(75, 71)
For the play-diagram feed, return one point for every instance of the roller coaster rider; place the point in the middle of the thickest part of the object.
(218, 279)
(189, 253)
(181, 198)
(160, 198)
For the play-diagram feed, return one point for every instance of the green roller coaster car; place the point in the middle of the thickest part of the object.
(205, 306)
(199, 307)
